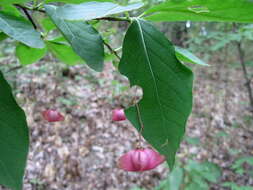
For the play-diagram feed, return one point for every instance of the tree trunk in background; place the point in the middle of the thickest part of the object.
(245, 73)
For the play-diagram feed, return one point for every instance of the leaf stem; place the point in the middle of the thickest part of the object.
(118, 49)
(112, 50)
(24, 9)
(141, 15)
(139, 119)
(140, 122)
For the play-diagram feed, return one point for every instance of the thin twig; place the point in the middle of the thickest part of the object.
(14, 68)
(30, 8)
(245, 72)
(25, 10)
(103, 18)
(114, 19)
(112, 50)
(244, 69)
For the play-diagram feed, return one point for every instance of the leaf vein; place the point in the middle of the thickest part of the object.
(151, 71)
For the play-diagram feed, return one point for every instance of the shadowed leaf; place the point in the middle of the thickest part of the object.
(84, 39)
(21, 30)
(149, 61)
(14, 139)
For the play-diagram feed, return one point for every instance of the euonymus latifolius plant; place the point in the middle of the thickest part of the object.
(147, 58)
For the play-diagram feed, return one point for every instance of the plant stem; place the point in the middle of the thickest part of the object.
(112, 50)
(118, 49)
(244, 69)
(139, 118)
(25, 10)
(14, 68)
(30, 8)
(141, 15)
(140, 122)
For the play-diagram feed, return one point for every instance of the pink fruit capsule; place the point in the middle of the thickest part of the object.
(140, 159)
(52, 115)
(118, 115)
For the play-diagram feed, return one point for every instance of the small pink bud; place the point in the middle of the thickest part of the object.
(118, 115)
(52, 115)
(141, 159)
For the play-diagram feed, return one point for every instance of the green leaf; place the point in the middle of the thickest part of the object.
(64, 53)
(137, 188)
(47, 24)
(192, 186)
(28, 55)
(234, 186)
(14, 139)
(3, 36)
(192, 140)
(21, 30)
(4, 2)
(92, 10)
(231, 185)
(163, 185)
(176, 178)
(202, 10)
(211, 172)
(84, 39)
(149, 61)
(185, 56)
(238, 163)
(73, 1)
(60, 39)
(207, 170)
(10, 9)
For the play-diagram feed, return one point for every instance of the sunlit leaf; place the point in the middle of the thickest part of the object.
(74, 1)
(92, 10)
(10, 9)
(64, 53)
(47, 24)
(4, 2)
(186, 56)
(202, 10)
(28, 55)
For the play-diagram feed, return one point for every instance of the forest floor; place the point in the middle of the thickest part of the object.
(81, 153)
